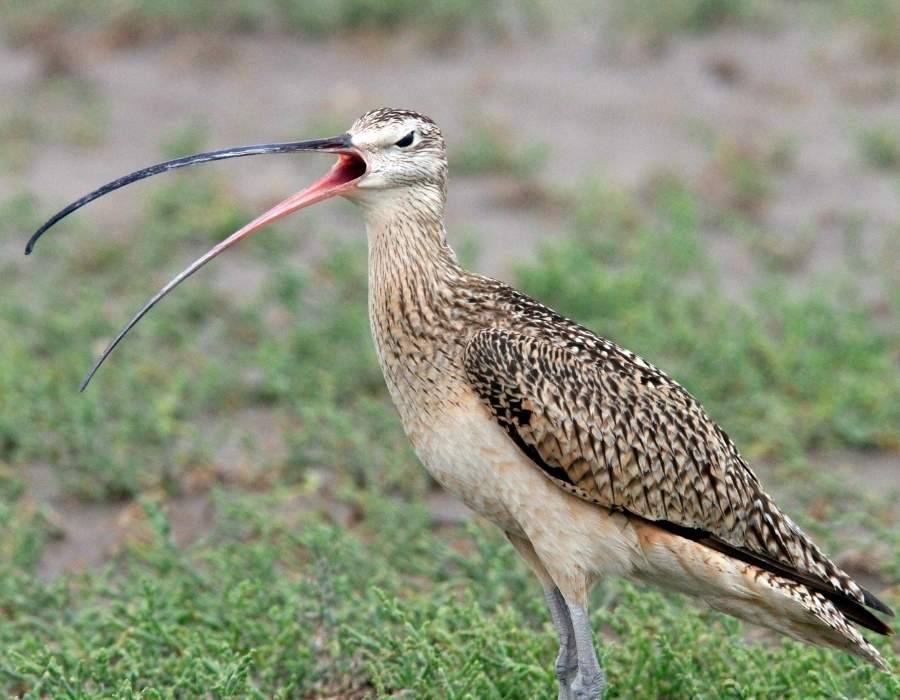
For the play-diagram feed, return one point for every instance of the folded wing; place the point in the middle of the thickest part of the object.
(613, 430)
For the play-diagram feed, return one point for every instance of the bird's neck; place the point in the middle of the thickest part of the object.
(414, 287)
(408, 244)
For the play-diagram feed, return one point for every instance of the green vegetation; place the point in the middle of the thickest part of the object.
(122, 23)
(880, 23)
(880, 147)
(29, 120)
(658, 20)
(692, 15)
(877, 22)
(741, 175)
(276, 604)
(492, 150)
(129, 21)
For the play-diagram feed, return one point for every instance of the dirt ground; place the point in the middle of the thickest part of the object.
(603, 108)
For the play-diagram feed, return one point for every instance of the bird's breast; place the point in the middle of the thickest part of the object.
(470, 456)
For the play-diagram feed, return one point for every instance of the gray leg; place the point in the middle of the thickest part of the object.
(590, 681)
(567, 660)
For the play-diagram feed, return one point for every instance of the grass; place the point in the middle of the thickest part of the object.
(323, 572)
(741, 175)
(123, 23)
(875, 22)
(129, 21)
(280, 603)
(879, 21)
(879, 147)
(687, 15)
(659, 21)
(490, 150)
(30, 121)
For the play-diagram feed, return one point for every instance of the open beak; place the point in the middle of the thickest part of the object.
(341, 179)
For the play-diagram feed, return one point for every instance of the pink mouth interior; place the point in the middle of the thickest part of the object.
(340, 179)
(348, 168)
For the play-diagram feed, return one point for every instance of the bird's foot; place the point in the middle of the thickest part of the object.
(566, 670)
(565, 692)
(589, 686)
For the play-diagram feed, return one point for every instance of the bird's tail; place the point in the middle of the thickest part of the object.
(753, 593)
(794, 609)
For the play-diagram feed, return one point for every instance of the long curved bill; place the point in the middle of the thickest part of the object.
(342, 178)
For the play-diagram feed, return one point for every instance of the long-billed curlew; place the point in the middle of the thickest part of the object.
(592, 461)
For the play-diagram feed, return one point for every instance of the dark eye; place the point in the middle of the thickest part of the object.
(406, 140)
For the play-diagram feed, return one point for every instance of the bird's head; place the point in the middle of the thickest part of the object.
(403, 151)
(388, 158)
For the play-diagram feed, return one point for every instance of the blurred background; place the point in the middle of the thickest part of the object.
(232, 510)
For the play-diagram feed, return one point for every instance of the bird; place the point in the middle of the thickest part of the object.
(593, 462)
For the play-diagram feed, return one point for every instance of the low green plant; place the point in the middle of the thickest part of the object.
(489, 150)
(276, 604)
(660, 20)
(880, 22)
(880, 147)
(140, 20)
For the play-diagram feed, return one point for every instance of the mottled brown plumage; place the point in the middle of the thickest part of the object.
(616, 431)
(595, 419)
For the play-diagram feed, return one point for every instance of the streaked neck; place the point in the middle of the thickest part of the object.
(407, 237)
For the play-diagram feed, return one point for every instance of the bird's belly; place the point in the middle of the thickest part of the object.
(469, 456)
(474, 459)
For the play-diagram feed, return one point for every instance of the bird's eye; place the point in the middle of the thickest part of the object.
(406, 140)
